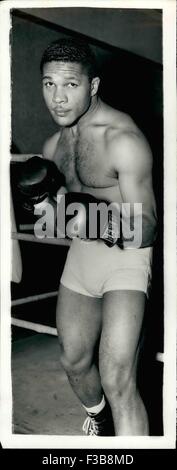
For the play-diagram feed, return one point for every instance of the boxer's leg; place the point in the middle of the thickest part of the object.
(123, 313)
(79, 324)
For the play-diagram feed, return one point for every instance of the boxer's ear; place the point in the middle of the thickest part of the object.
(95, 85)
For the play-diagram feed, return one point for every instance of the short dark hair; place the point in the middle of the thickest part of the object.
(71, 50)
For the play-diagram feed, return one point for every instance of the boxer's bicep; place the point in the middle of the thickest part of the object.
(133, 187)
(134, 165)
(134, 168)
(50, 145)
(49, 150)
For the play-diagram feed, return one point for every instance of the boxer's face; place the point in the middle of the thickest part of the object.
(67, 91)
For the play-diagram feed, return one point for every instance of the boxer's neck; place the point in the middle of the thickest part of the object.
(87, 116)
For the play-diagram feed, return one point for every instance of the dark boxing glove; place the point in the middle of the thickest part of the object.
(38, 180)
(86, 217)
(93, 219)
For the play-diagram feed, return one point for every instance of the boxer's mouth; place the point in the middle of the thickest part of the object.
(61, 112)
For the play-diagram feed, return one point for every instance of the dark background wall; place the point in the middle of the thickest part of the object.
(134, 30)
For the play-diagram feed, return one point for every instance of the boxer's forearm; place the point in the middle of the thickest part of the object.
(149, 230)
(139, 231)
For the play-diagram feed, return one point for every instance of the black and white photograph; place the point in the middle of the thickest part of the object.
(88, 239)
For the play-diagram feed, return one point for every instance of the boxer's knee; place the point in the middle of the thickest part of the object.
(118, 379)
(75, 360)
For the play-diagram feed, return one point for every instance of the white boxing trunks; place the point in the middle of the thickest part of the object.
(92, 268)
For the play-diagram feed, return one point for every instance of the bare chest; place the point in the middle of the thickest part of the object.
(84, 162)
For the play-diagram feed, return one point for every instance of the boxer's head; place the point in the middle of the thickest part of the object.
(71, 50)
(70, 79)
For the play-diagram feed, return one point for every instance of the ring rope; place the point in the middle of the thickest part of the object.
(31, 238)
(34, 326)
(34, 298)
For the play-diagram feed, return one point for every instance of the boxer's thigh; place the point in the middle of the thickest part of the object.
(123, 313)
(78, 320)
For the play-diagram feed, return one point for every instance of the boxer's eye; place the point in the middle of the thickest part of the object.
(48, 84)
(72, 85)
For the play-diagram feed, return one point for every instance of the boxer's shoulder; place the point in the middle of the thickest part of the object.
(118, 125)
(126, 143)
(50, 146)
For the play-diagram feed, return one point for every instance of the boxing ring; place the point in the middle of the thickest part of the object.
(30, 238)
(39, 328)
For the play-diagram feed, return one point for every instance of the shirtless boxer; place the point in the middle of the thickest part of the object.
(102, 290)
